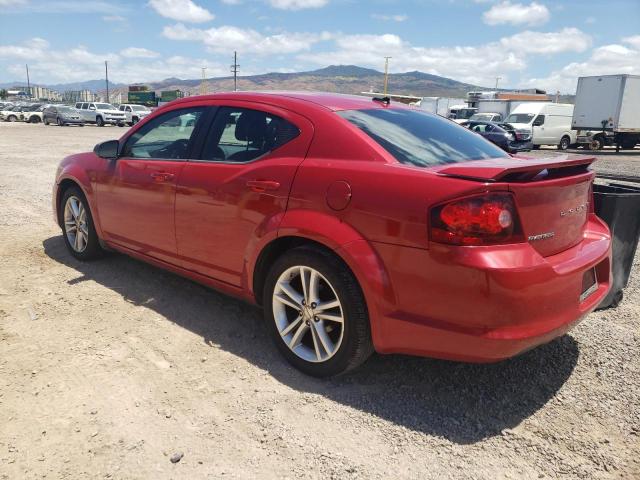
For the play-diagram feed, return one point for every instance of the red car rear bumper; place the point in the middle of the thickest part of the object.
(484, 304)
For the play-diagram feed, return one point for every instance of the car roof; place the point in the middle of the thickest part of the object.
(330, 101)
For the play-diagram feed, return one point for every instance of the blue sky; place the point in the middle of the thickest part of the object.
(546, 44)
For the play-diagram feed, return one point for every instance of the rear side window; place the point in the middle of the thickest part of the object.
(421, 139)
(243, 134)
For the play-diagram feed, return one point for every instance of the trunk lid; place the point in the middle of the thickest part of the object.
(551, 195)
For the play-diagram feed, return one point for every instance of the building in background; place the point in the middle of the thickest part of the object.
(73, 96)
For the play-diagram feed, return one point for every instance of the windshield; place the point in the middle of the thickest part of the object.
(418, 138)
(139, 108)
(463, 112)
(66, 110)
(481, 116)
(105, 106)
(520, 118)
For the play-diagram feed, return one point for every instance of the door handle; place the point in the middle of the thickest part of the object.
(261, 186)
(161, 176)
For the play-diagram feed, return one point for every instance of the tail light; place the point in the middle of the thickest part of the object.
(487, 219)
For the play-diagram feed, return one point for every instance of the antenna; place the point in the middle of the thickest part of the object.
(234, 70)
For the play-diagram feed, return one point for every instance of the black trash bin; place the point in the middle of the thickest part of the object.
(619, 206)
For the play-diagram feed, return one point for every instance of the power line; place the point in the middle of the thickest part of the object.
(203, 89)
(106, 78)
(234, 70)
(386, 74)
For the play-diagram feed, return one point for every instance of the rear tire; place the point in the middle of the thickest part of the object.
(12, 118)
(564, 143)
(597, 143)
(76, 217)
(325, 341)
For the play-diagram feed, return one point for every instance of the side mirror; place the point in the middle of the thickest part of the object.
(92, 108)
(108, 149)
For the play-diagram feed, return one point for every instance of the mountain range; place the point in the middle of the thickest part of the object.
(335, 78)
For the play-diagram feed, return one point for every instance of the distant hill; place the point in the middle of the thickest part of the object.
(334, 78)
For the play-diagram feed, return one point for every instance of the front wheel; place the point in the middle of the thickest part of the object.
(59, 122)
(77, 226)
(316, 313)
(564, 143)
(99, 122)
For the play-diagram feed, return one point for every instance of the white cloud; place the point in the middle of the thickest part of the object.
(137, 52)
(297, 4)
(516, 14)
(395, 18)
(12, 3)
(477, 65)
(227, 38)
(566, 40)
(605, 60)
(181, 10)
(114, 18)
(47, 65)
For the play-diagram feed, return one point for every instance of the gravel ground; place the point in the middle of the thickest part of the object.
(114, 369)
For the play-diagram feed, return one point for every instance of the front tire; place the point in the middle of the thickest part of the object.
(78, 230)
(316, 313)
(99, 122)
(564, 143)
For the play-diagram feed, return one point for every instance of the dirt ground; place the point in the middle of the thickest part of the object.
(108, 369)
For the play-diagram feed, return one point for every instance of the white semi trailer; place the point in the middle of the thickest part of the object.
(607, 111)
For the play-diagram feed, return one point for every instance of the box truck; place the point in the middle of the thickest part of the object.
(607, 111)
(439, 105)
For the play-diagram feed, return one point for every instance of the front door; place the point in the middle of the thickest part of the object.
(240, 185)
(136, 196)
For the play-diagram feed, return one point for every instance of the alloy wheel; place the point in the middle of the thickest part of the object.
(308, 314)
(75, 224)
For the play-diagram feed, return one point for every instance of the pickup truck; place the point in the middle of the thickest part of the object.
(100, 113)
(134, 113)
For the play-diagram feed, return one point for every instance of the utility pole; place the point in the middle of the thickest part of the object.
(106, 78)
(203, 89)
(497, 80)
(386, 74)
(234, 70)
(28, 83)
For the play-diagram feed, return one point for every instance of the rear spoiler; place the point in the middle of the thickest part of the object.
(515, 168)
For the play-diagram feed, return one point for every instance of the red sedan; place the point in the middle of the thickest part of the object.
(356, 224)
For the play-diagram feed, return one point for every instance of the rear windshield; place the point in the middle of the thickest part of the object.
(421, 139)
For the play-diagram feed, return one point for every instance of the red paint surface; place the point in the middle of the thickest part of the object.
(210, 221)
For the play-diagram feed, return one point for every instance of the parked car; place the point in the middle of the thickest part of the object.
(548, 123)
(33, 113)
(134, 113)
(62, 115)
(100, 113)
(503, 135)
(12, 113)
(486, 117)
(356, 224)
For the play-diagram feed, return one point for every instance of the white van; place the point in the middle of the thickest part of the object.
(549, 123)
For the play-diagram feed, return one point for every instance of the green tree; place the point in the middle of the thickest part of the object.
(3, 94)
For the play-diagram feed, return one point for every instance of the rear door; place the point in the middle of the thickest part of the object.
(238, 187)
(136, 196)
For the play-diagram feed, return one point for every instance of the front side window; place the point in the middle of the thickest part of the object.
(538, 121)
(167, 136)
(242, 134)
(421, 139)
